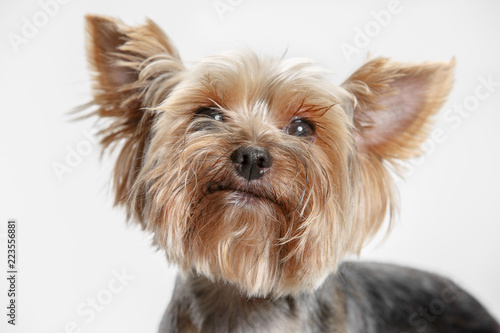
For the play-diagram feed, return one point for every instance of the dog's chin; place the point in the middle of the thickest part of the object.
(245, 237)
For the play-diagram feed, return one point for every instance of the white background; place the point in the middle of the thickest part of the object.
(71, 239)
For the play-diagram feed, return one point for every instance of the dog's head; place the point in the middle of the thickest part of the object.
(251, 170)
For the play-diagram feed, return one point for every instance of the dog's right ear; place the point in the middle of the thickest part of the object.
(134, 69)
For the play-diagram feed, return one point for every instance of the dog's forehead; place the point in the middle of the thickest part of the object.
(245, 82)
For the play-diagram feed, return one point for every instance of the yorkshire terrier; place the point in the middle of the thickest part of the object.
(257, 177)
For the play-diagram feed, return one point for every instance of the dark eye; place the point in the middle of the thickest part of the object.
(213, 113)
(301, 128)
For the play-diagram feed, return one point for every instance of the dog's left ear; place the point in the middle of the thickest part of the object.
(134, 69)
(393, 104)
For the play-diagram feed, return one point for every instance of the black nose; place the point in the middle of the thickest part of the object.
(251, 162)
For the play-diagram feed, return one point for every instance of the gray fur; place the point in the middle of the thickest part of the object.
(360, 298)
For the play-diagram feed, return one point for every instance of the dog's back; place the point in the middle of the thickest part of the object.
(389, 298)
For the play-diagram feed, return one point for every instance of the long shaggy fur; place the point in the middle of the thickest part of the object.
(134, 69)
(323, 198)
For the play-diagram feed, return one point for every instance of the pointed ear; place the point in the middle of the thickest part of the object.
(394, 104)
(134, 69)
(118, 55)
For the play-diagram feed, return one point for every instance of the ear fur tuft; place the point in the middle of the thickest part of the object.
(135, 68)
(394, 104)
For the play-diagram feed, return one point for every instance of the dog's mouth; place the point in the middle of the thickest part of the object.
(243, 194)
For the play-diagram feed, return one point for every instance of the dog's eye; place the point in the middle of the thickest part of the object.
(301, 128)
(210, 112)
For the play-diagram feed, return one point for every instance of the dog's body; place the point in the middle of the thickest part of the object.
(361, 298)
(257, 177)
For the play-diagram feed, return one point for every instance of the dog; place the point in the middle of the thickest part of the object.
(257, 177)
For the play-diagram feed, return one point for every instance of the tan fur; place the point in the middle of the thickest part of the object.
(134, 68)
(323, 197)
